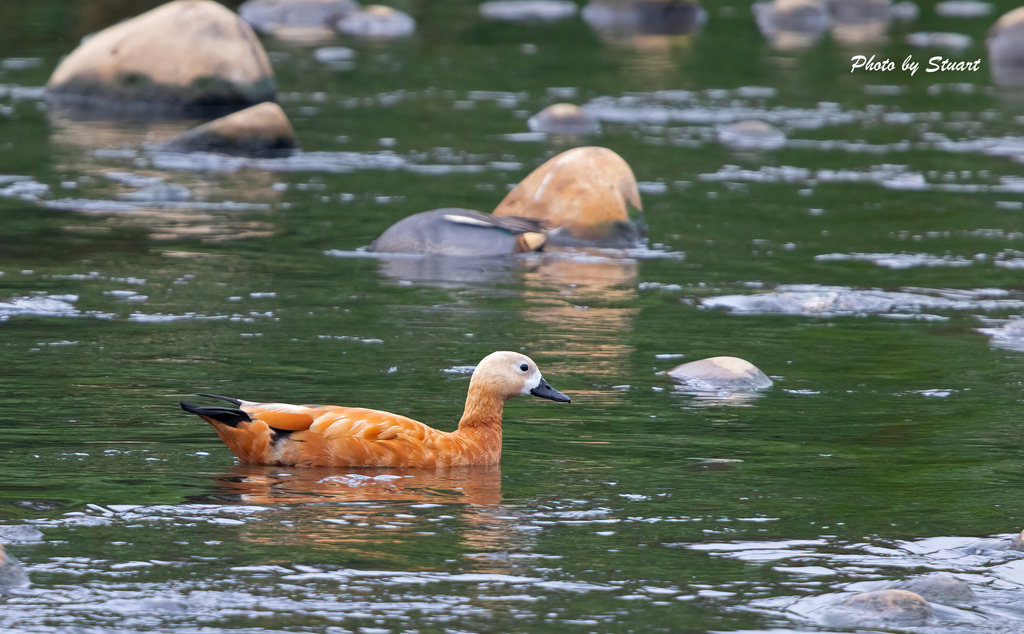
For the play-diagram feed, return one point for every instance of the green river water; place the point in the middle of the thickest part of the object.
(882, 239)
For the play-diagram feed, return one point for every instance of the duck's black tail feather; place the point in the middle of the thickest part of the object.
(222, 398)
(228, 415)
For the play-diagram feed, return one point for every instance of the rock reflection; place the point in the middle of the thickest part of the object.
(103, 154)
(589, 338)
(80, 133)
(720, 398)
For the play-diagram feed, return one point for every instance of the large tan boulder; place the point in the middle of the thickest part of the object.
(585, 191)
(261, 130)
(186, 53)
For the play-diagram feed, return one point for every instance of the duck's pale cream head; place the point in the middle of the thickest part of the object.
(510, 374)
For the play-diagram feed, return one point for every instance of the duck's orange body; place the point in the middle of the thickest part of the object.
(329, 435)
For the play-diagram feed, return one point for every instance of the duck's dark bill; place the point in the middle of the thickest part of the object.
(546, 391)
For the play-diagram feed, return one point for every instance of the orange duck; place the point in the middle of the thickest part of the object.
(331, 435)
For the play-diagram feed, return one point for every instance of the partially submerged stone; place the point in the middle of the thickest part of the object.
(564, 118)
(1005, 45)
(461, 232)
(859, 11)
(940, 588)
(881, 608)
(622, 18)
(12, 575)
(752, 135)
(183, 54)
(377, 22)
(584, 192)
(527, 10)
(716, 374)
(859, 21)
(296, 19)
(1017, 543)
(963, 8)
(792, 23)
(262, 130)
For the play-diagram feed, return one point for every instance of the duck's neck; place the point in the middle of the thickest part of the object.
(483, 410)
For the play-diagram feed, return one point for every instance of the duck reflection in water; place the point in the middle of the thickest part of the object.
(370, 513)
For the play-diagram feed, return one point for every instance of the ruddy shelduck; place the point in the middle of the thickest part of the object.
(331, 435)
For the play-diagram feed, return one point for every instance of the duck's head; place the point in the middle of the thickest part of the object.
(510, 374)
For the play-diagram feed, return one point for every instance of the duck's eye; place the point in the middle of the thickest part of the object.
(524, 367)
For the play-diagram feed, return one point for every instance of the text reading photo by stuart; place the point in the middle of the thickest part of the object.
(518, 316)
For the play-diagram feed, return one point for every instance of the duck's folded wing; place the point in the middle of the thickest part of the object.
(281, 416)
(515, 225)
(343, 436)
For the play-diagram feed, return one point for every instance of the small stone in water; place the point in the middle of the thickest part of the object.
(528, 10)
(377, 22)
(963, 9)
(752, 135)
(329, 54)
(564, 118)
(721, 373)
